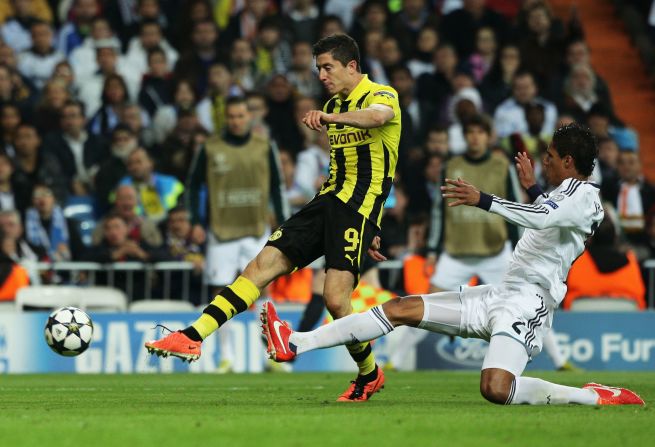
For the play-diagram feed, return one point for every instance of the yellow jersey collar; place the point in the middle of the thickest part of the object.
(361, 88)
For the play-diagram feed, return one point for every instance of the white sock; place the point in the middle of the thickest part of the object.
(528, 390)
(552, 349)
(348, 330)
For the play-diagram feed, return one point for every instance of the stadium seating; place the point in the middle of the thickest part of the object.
(604, 304)
(86, 298)
(161, 306)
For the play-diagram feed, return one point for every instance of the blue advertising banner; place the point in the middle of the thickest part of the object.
(596, 341)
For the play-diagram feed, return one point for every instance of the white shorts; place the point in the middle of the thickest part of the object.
(520, 314)
(225, 260)
(452, 272)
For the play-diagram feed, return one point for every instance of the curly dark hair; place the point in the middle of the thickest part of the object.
(578, 142)
(342, 47)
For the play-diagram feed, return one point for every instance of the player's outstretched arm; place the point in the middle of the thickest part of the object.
(375, 115)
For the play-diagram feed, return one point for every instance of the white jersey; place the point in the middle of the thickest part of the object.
(557, 227)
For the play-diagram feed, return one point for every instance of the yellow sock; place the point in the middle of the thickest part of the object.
(232, 300)
(363, 356)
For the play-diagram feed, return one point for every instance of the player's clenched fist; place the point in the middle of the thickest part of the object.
(315, 119)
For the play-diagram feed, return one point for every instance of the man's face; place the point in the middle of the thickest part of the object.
(288, 168)
(106, 58)
(403, 83)
(157, 65)
(220, 78)
(389, 52)
(42, 37)
(44, 201)
(524, 89)
(9, 118)
(554, 166)
(6, 169)
(100, 29)
(446, 59)
(139, 166)
(204, 36)
(5, 81)
(333, 74)
(115, 231)
(26, 140)
(72, 120)
(577, 53)
(608, 152)
(238, 119)
(123, 143)
(126, 201)
(599, 125)
(257, 108)
(437, 142)
(433, 169)
(149, 9)
(477, 140)
(242, 53)
(257, 7)
(11, 226)
(150, 36)
(279, 89)
(23, 8)
(538, 21)
(302, 56)
(131, 116)
(85, 10)
(629, 166)
(179, 224)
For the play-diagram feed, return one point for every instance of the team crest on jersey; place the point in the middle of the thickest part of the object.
(557, 198)
(385, 93)
(275, 236)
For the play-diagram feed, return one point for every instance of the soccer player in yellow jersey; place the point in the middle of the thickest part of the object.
(362, 120)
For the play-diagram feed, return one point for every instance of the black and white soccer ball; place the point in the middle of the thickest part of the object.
(69, 331)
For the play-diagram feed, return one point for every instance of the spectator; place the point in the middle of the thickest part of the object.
(461, 25)
(8, 194)
(580, 92)
(182, 247)
(127, 20)
(73, 32)
(157, 193)
(273, 54)
(426, 44)
(280, 103)
(79, 153)
(149, 38)
(304, 18)
(463, 105)
(211, 109)
(332, 24)
(496, 86)
(423, 188)
(64, 73)
(93, 89)
(194, 63)
(243, 65)
(139, 230)
(34, 165)
(20, 250)
(605, 270)
(293, 193)
(371, 57)
(244, 24)
(435, 87)
(608, 159)
(116, 245)
(373, 16)
(313, 162)
(16, 30)
(258, 108)
(407, 23)
(481, 61)
(184, 99)
(84, 57)
(12, 275)
(301, 74)
(157, 85)
(123, 142)
(469, 245)
(390, 54)
(38, 62)
(339, 16)
(436, 141)
(10, 119)
(181, 146)
(48, 228)
(136, 119)
(47, 114)
(633, 196)
(510, 115)
(114, 97)
(14, 88)
(395, 224)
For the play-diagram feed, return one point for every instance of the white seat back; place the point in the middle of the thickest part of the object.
(85, 298)
(604, 304)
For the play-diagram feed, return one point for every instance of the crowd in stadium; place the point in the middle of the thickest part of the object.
(108, 103)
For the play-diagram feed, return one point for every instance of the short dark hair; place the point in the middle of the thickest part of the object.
(578, 142)
(177, 209)
(342, 47)
(479, 121)
(75, 103)
(156, 50)
(234, 100)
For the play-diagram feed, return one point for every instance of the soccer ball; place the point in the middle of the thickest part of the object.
(69, 331)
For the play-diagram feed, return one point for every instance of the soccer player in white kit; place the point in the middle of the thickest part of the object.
(512, 316)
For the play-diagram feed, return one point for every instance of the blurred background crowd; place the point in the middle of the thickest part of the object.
(104, 106)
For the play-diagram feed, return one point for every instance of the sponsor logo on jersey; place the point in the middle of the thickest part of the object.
(385, 93)
(551, 204)
(275, 236)
(350, 137)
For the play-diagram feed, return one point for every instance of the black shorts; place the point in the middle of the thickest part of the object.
(326, 226)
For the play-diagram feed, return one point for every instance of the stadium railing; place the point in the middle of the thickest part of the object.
(86, 274)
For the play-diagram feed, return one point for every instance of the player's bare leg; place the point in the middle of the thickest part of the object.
(269, 264)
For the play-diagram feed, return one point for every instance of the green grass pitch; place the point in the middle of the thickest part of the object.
(415, 409)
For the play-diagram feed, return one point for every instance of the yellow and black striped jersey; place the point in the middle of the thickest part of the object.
(363, 161)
